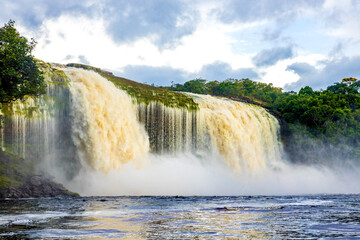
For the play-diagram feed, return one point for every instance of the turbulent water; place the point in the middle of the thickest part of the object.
(112, 133)
(98, 141)
(108, 134)
(248, 217)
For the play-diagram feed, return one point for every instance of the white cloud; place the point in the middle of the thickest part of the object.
(280, 76)
(343, 18)
(331, 4)
(81, 36)
(75, 36)
(206, 45)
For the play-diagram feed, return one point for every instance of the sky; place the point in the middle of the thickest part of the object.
(289, 43)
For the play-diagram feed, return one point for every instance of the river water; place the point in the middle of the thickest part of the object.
(248, 217)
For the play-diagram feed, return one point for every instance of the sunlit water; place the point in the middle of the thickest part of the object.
(257, 217)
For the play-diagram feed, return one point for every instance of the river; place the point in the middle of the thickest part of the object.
(248, 217)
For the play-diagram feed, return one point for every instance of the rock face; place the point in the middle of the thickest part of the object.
(36, 186)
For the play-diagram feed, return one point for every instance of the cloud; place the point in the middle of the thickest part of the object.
(250, 11)
(337, 49)
(164, 21)
(271, 56)
(302, 68)
(32, 13)
(333, 71)
(160, 76)
(83, 60)
(341, 18)
(69, 57)
(271, 34)
(221, 71)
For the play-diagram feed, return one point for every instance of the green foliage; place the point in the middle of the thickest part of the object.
(196, 86)
(246, 89)
(306, 91)
(331, 116)
(19, 74)
(31, 106)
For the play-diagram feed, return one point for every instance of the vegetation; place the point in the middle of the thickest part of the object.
(19, 74)
(332, 111)
(31, 106)
(244, 89)
(144, 93)
(52, 75)
(13, 169)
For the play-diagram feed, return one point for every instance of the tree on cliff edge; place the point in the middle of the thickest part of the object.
(19, 74)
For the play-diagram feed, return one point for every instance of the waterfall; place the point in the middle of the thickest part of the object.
(171, 130)
(91, 124)
(105, 129)
(245, 135)
(37, 128)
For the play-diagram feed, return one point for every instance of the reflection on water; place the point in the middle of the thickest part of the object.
(322, 216)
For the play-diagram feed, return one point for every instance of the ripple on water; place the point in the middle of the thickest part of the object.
(315, 216)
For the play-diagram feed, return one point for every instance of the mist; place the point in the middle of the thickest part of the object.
(190, 175)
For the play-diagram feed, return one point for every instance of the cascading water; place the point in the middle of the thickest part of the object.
(245, 135)
(97, 140)
(37, 128)
(108, 134)
(172, 130)
(100, 129)
(105, 128)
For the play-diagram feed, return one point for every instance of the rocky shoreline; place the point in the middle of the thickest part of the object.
(19, 179)
(35, 187)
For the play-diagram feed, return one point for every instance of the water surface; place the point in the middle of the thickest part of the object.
(248, 217)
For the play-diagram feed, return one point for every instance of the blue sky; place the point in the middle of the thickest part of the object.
(290, 43)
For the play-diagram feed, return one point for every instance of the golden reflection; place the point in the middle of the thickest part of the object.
(132, 223)
(226, 224)
(114, 217)
(136, 219)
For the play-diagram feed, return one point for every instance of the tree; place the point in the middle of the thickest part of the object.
(306, 91)
(195, 86)
(19, 74)
(349, 80)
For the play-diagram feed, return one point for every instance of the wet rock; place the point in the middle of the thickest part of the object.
(36, 186)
